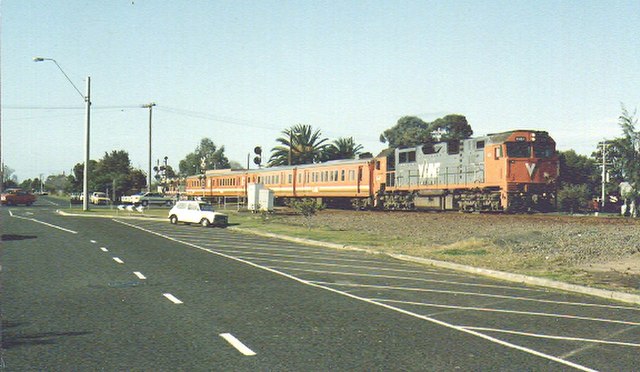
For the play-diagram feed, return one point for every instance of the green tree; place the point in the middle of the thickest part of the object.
(453, 126)
(207, 154)
(578, 181)
(342, 148)
(59, 183)
(112, 172)
(630, 149)
(78, 173)
(413, 131)
(299, 145)
(573, 198)
(408, 131)
(8, 178)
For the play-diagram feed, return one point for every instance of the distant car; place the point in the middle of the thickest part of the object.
(147, 198)
(17, 196)
(99, 198)
(190, 211)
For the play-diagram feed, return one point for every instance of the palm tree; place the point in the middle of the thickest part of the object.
(342, 148)
(300, 145)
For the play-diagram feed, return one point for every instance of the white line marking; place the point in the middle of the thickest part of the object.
(93, 241)
(405, 278)
(318, 256)
(336, 265)
(237, 344)
(172, 298)
(118, 260)
(104, 249)
(474, 294)
(507, 311)
(386, 306)
(139, 275)
(553, 337)
(44, 223)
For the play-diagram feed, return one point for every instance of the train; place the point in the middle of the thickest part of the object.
(513, 171)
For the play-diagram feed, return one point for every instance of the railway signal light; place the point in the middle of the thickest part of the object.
(258, 159)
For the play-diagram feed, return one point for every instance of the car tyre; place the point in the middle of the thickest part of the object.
(145, 203)
(205, 222)
(173, 219)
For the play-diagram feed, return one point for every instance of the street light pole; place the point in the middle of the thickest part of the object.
(87, 100)
(87, 126)
(150, 107)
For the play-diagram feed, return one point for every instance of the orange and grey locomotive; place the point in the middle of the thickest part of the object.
(511, 171)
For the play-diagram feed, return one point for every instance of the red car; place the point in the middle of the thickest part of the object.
(17, 196)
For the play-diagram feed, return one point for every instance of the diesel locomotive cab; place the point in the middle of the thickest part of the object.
(531, 172)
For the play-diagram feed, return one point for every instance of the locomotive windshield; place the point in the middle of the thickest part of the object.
(518, 149)
(543, 150)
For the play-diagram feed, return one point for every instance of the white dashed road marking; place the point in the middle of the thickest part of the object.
(139, 275)
(104, 249)
(116, 259)
(172, 298)
(237, 344)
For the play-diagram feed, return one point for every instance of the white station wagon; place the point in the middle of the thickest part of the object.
(189, 211)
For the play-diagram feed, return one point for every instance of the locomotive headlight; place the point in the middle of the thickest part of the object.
(533, 137)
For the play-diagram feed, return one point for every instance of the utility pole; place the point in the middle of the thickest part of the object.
(150, 107)
(604, 145)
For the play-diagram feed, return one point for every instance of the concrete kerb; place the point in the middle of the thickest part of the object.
(517, 278)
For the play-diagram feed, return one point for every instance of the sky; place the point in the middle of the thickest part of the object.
(240, 72)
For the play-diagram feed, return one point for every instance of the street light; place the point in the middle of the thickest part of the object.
(87, 100)
(150, 107)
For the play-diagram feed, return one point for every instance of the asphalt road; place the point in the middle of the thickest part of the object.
(93, 293)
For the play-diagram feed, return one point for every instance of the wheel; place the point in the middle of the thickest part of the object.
(205, 222)
(169, 203)
(173, 219)
(145, 203)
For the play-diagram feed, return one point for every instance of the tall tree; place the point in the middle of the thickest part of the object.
(408, 131)
(413, 131)
(453, 127)
(342, 148)
(112, 172)
(299, 145)
(578, 181)
(630, 149)
(8, 178)
(78, 173)
(207, 154)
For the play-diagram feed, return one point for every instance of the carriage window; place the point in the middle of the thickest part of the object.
(290, 178)
(342, 175)
(479, 145)
(518, 149)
